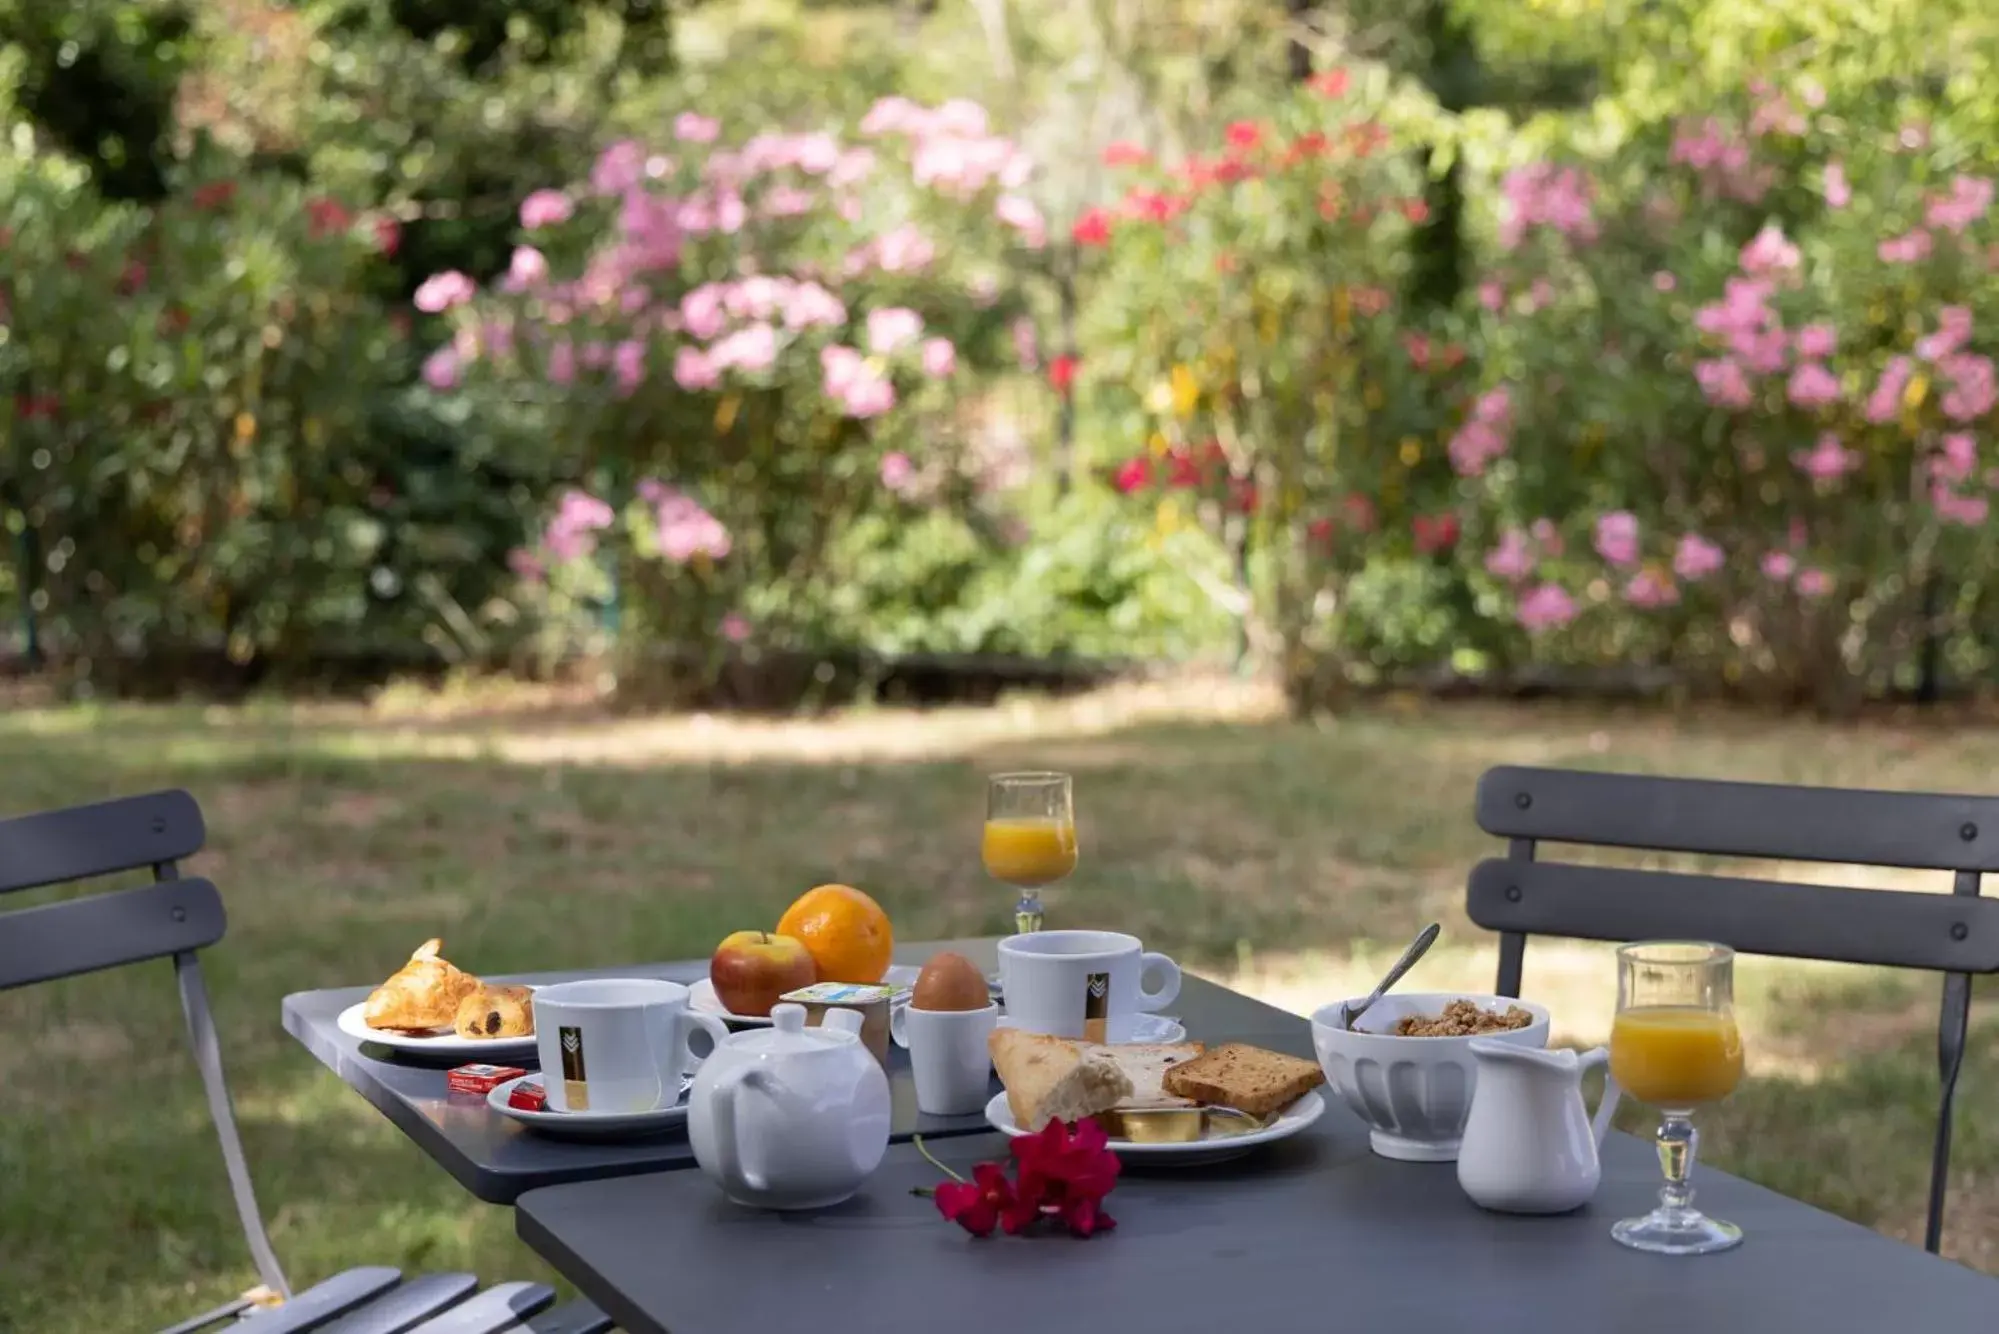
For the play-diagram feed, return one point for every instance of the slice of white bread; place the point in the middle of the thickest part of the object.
(1054, 1079)
(1246, 1078)
(1145, 1065)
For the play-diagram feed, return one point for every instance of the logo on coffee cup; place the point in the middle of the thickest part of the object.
(1096, 1006)
(575, 1087)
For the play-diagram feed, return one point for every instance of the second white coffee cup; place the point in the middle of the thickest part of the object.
(1082, 984)
(948, 1056)
(617, 1044)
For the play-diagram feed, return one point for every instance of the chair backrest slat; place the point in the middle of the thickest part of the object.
(1942, 932)
(84, 935)
(110, 836)
(1728, 819)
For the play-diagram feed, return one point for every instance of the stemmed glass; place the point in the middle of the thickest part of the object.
(1030, 837)
(1675, 1046)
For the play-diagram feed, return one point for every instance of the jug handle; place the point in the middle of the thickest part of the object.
(728, 1149)
(1606, 1105)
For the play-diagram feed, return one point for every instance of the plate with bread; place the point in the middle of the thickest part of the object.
(432, 1007)
(1173, 1104)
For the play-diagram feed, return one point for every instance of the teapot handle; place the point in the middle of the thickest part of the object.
(1606, 1105)
(728, 1148)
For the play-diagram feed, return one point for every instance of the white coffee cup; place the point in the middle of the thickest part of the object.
(1082, 984)
(948, 1056)
(617, 1044)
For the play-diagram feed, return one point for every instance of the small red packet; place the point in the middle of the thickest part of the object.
(528, 1098)
(481, 1078)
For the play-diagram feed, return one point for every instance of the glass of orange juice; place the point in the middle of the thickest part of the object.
(1030, 837)
(1674, 1045)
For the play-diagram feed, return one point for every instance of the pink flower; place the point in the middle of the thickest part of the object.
(735, 627)
(1956, 458)
(751, 348)
(1813, 583)
(1491, 295)
(1885, 403)
(816, 154)
(562, 362)
(869, 395)
(1812, 386)
(854, 166)
(1723, 383)
(1761, 351)
(1663, 281)
(545, 208)
(898, 474)
(1542, 194)
(1648, 590)
(527, 269)
(840, 366)
(619, 167)
(1910, 248)
(1696, 558)
(1019, 213)
(1817, 341)
(693, 128)
(1511, 560)
(904, 249)
(940, 359)
(1838, 194)
(577, 515)
(1545, 607)
(441, 368)
(1826, 460)
(1548, 536)
(1769, 252)
(526, 565)
(1973, 391)
(628, 364)
(1969, 197)
(701, 311)
(1026, 348)
(893, 328)
(1779, 566)
(787, 201)
(808, 305)
(684, 529)
(441, 291)
(1953, 332)
(693, 371)
(1744, 307)
(895, 115)
(1964, 511)
(1617, 537)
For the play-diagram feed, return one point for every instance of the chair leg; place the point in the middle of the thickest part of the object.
(208, 1055)
(1952, 1028)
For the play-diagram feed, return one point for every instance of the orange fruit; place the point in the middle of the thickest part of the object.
(846, 933)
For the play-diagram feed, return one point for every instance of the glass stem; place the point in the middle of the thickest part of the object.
(1678, 1141)
(1027, 912)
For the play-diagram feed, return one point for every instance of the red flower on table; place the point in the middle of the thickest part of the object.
(1062, 1175)
(979, 1204)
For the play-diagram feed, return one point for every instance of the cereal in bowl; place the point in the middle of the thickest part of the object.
(1461, 1019)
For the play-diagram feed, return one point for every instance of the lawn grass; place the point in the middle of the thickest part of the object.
(536, 831)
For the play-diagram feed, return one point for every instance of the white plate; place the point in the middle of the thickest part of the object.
(701, 996)
(1295, 1118)
(1149, 1029)
(587, 1125)
(442, 1042)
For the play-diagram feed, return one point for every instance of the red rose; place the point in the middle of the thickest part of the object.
(1310, 145)
(1122, 154)
(1132, 475)
(1416, 210)
(1062, 373)
(1093, 228)
(388, 236)
(1418, 348)
(1243, 134)
(1434, 533)
(1329, 83)
(327, 217)
(1154, 205)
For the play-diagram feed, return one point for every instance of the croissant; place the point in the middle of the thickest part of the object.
(422, 995)
(495, 1011)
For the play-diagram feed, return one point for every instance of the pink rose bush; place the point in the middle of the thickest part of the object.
(1741, 433)
(737, 342)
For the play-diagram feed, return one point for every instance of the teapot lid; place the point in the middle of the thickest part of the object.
(788, 1035)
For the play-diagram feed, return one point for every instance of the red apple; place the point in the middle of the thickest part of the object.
(751, 969)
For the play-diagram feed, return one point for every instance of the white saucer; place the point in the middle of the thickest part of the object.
(701, 996)
(586, 1125)
(1150, 1028)
(1295, 1118)
(442, 1043)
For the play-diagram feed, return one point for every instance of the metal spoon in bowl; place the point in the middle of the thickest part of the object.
(1417, 949)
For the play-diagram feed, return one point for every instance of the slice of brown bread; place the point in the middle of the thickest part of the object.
(1246, 1078)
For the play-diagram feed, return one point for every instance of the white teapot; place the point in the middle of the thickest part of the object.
(790, 1117)
(1530, 1146)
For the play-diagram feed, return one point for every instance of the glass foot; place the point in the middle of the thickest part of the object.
(1668, 1231)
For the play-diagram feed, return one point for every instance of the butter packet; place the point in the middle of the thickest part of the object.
(840, 993)
(870, 1001)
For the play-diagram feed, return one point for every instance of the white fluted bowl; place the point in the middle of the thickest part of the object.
(1414, 1093)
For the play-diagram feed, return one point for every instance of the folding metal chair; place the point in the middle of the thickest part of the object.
(1956, 934)
(174, 918)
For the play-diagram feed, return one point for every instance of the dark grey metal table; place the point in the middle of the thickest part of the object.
(496, 1159)
(1310, 1235)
